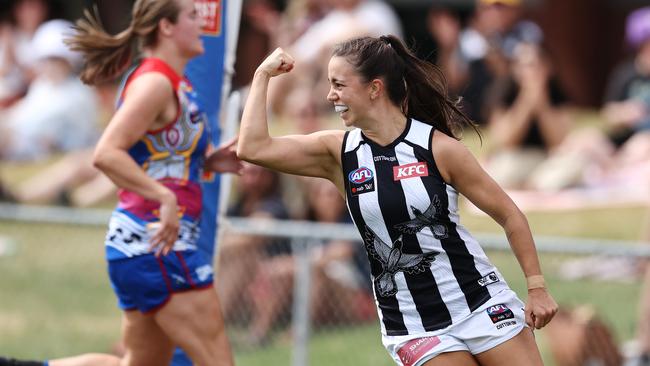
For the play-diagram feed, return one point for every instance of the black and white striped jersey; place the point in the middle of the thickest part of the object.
(428, 271)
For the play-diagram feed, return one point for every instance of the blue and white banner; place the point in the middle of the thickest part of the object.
(206, 73)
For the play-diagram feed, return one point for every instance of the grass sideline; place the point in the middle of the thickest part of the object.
(55, 299)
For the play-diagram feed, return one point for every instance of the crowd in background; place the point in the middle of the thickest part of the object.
(495, 60)
(45, 110)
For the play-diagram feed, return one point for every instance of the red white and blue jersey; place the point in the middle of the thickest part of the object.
(174, 156)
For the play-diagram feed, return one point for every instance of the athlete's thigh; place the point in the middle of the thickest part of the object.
(456, 358)
(144, 340)
(193, 320)
(517, 351)
(90, 359)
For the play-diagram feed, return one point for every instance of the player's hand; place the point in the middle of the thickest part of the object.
(540, 308)
(166, 231)
(277, 63)
(224, 159)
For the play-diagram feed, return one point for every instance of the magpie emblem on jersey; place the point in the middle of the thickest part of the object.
(393, 260)
(429, 218)
(499, 313)
(361, 181)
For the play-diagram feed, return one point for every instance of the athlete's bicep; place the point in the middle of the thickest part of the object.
(147, 97)
(315, 155)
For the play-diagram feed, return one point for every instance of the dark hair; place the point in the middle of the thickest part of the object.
(106, 56)
(417, 86)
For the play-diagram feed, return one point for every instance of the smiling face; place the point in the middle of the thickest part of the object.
(348, 91)
(187, 29)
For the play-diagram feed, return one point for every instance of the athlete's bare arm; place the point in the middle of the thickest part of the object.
(316, 155)
(460, 169)
(145, 107)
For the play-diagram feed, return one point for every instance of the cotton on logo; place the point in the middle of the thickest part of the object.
(418, 169)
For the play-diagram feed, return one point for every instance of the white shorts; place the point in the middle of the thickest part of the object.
(498, 320)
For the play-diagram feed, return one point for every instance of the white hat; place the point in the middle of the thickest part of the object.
(48, 42)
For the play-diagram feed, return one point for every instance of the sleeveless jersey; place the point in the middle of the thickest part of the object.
(174, 156)
(428, 271)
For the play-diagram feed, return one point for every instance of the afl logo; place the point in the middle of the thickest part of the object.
(360, 175)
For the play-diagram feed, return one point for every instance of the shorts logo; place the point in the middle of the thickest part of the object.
(204, 272)
(489, 279)
(414, 349)
(179, 280)
(361, 181)
(418, 169)
(499, 313)
(506, 324)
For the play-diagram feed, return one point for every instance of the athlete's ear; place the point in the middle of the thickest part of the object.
(165, 27)
(376, 88)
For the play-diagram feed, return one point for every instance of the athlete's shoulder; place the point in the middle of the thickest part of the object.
(152, 85)
(331, 138)
(445, 144)
(451, 155)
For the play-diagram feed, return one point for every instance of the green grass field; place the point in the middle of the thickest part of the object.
(55, 299)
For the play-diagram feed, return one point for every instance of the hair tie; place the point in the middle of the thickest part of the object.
(386, 40)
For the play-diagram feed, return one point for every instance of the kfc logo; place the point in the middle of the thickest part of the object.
(419, 169)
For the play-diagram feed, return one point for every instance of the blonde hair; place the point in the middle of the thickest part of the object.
(106, 56)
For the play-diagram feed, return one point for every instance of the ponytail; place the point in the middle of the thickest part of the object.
(105, 56)
(417, 86)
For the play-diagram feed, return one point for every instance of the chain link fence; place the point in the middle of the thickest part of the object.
(324, 314)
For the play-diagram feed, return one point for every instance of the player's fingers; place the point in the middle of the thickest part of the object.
(539, 321)
(529, 318)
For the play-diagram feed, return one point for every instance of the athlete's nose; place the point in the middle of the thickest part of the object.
(331, 96)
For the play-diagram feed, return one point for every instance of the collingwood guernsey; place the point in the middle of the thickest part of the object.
(428, 272)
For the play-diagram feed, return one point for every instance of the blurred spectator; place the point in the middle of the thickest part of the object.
(71, 180)
(444, 26)
(284, 28)
(17, 58)
(345, 19)
(340, 288)
(257, 18)
(479, 54)
(579, 337)
(303, 110)
(627, 99)
(5, 194)
(59, 113)
(527, 121)
(610, 168)
(259, 196)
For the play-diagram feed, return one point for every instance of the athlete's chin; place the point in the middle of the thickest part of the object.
(347, 122)
(199, 51)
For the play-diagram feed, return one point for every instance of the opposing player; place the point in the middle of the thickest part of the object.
(154, 149)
